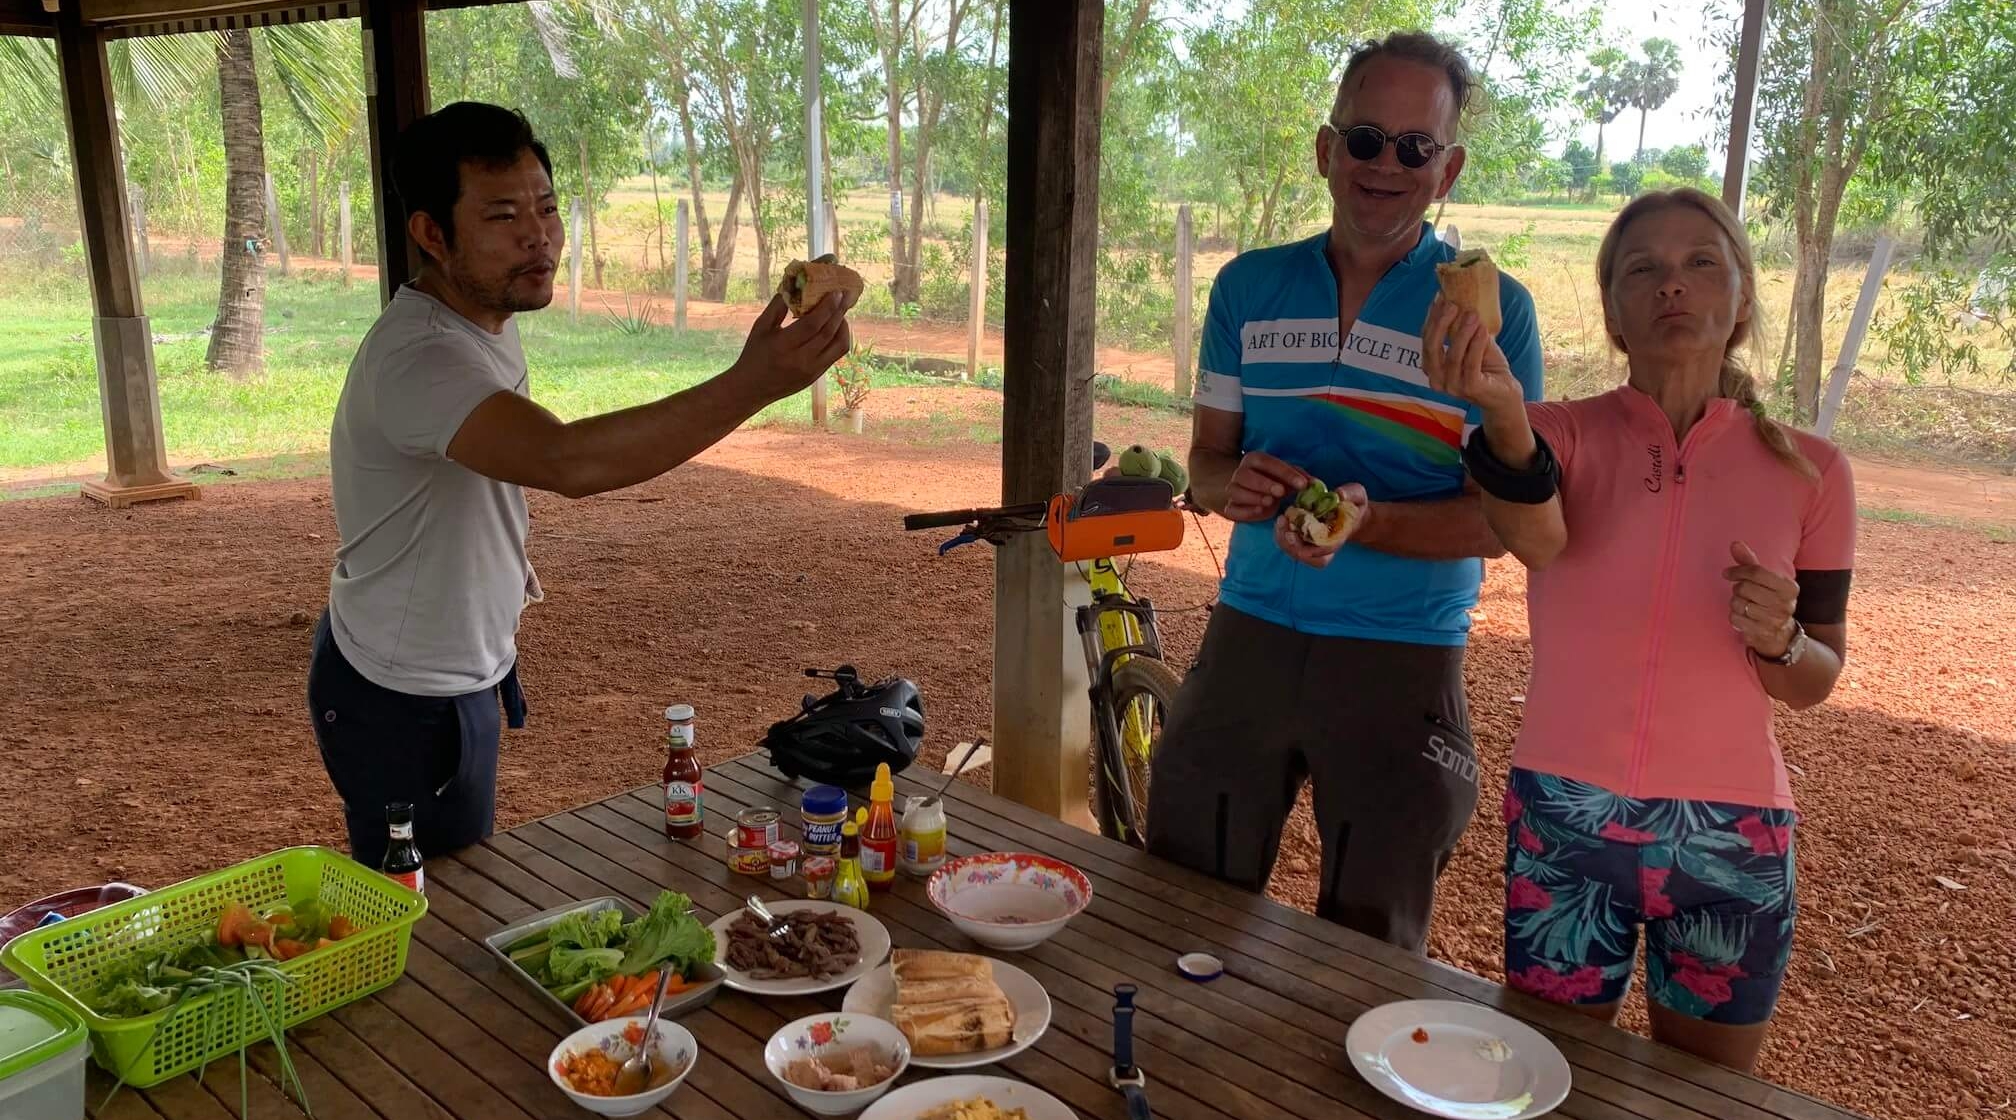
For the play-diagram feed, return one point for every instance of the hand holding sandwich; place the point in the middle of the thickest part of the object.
(779, 359)
(1460, 354)
(1320, 520)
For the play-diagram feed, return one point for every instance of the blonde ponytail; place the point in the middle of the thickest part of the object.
(1739, 386)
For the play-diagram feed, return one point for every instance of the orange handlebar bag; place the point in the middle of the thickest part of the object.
(1106, 519)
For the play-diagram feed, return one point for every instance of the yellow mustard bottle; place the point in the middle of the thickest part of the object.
(850, 887)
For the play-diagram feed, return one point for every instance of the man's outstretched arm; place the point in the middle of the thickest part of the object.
(513, 439)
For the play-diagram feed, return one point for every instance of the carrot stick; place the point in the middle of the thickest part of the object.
(603, 998)
(631, 1006)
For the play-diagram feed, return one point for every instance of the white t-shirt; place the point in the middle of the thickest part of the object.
(431, 574)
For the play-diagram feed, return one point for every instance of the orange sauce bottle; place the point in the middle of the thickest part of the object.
(878, 836)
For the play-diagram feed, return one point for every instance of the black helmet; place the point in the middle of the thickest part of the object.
(838, 739)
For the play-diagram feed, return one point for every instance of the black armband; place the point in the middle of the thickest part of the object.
(1823, 596)
(1530, 487)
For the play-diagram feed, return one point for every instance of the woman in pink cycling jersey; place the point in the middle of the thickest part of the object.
(1689, 564)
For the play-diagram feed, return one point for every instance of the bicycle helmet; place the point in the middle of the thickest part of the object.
(838, 739)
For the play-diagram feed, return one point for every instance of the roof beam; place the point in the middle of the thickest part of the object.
(26, 17)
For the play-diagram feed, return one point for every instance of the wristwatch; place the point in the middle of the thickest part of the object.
(1794, 650)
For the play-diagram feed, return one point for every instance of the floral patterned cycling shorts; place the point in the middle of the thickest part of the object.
(1712, 885)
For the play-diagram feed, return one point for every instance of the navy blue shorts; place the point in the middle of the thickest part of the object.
(1711, 884)
(379, 746)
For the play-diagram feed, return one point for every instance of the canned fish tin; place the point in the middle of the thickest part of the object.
(783, 859)
(756, 828)
(748, 861)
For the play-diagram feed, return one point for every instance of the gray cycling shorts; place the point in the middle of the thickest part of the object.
(1380, 730)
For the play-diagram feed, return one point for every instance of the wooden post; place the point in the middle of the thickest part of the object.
(343, 243)
(1851, 346)
(1736, 171)
(976, 311)
(681, 238)
(574, 260)
(832, 225)
(276, 229)
(395, 89)
(1042, 719)
(128, 393)
(1185, 293)
(140, 243)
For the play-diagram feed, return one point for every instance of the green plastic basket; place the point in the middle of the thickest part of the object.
(67, 959)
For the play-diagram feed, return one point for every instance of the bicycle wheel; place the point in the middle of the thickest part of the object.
(1142, 690)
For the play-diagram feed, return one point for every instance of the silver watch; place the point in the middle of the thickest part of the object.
(1794, 650)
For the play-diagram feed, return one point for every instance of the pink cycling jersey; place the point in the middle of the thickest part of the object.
(1640, 685)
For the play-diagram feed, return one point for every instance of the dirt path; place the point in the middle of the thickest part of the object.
(152, 724)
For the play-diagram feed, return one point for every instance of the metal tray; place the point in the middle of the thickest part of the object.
(708, 976)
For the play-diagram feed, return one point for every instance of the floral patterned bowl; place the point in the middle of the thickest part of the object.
(820, 1035)
(1010, 901)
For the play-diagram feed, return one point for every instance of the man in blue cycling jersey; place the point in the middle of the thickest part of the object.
(1341, 666)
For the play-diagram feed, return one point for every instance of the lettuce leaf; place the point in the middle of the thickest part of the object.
(568, 965)
(669, 936)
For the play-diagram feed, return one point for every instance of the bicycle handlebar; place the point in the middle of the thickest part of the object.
(957, 518)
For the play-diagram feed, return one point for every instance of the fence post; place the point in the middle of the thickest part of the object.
(976, 315)
(1851, 346)
(679, 269)
(574, 261)
(274, 226)
(1185, 289)
(137, 197)
(832, 226)
(343, 228)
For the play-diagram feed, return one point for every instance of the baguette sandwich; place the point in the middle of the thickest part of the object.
(1471, 283)
(948, 1003)
(808, 282)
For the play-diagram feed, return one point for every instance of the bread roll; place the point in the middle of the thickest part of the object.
(1471, 282)
(808, 282)
(935, 964)
(955, 1026)
(909, 992)
(1323, 531)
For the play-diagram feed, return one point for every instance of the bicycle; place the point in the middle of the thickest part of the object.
(1131, 685)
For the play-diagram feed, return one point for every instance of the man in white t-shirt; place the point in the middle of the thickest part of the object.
(436, 438)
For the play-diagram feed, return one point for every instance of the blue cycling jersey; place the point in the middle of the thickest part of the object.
(1348, 406)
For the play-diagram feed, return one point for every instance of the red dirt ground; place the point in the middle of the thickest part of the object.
(153, 725)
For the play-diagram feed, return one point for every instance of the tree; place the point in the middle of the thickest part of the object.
(1688, 162)
(1605, 92)
(1525, 74)
(1257, 86)
(315, 66)
(1653, 80)
(1581, 164)
(918, 64)
(1832, 82)
(1627, 178)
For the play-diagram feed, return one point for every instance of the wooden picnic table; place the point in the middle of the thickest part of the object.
(460, 1039)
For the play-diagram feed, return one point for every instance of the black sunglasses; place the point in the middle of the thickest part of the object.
(1364, 142)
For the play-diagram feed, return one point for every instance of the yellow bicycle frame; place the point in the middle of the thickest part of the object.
(1120, 630)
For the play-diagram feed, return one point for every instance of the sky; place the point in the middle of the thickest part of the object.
(1684, 119)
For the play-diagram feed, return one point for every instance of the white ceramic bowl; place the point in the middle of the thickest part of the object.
(821, 1034)
(675, 1046)
(1010, 901)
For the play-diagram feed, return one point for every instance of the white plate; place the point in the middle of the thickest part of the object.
(873, 994)
(874, 937)
(918, 1098)
(1450, 1075)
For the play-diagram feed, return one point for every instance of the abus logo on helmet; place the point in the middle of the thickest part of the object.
(892, 713)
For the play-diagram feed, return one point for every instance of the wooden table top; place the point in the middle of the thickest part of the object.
(460, 1039)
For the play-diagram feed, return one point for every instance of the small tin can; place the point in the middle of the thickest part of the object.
(783, 859)
(756, 828)
(748, 861)
(819, 872)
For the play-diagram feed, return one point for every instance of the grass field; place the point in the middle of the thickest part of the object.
(49, 411)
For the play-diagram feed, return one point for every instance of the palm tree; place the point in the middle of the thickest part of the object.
(315, 65)
(1605, 92)
(1653, 80)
